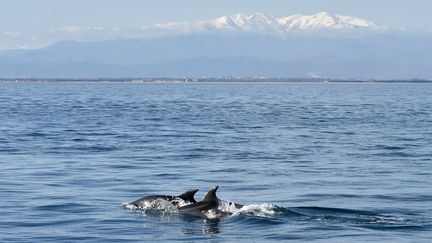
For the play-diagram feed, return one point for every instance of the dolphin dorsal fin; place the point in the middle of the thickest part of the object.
(211, 194)
(189, 195)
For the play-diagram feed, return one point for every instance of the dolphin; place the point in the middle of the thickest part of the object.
(209, 202)
(187, 197)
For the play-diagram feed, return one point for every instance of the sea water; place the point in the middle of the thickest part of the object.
(326, 162)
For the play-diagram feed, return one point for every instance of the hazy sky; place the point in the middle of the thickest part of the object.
(36, 23)
(20, 15)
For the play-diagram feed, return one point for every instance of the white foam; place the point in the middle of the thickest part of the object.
(157, 204)
(225, 208)
(130, 206)
(259, 210)
(389, 219)
(213, 214)
(180, 202)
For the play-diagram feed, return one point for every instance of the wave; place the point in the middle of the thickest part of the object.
(253, 214)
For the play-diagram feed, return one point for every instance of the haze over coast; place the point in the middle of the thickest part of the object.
(321, 45)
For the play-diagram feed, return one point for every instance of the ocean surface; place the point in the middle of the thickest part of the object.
(315, 162)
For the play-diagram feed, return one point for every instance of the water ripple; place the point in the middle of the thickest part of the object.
(342, 162)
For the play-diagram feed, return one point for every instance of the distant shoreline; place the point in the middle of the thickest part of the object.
(212, 80)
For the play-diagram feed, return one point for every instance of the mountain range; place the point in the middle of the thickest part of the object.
(265, 24)
(241, 45)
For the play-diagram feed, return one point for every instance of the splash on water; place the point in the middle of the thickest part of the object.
(157, 204)
(163, 209)
(264, 210)
(225, 208)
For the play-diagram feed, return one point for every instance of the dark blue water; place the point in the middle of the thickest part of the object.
(315, 162)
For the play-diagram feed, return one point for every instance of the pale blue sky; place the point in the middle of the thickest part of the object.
(28, 24)
(21, 15)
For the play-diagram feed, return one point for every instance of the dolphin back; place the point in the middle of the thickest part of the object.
(148, 199)
(210, 201)
(211, 195)
(189, 195)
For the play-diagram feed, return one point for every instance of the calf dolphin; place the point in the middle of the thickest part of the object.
(209, 202)
(187, 197)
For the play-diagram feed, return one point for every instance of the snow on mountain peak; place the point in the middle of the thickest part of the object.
(265, 24)
(324, 20)
(242, 21)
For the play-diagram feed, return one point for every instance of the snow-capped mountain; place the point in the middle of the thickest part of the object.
(265, 24)
(258, 23)
(324, 20)
(260, 45)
